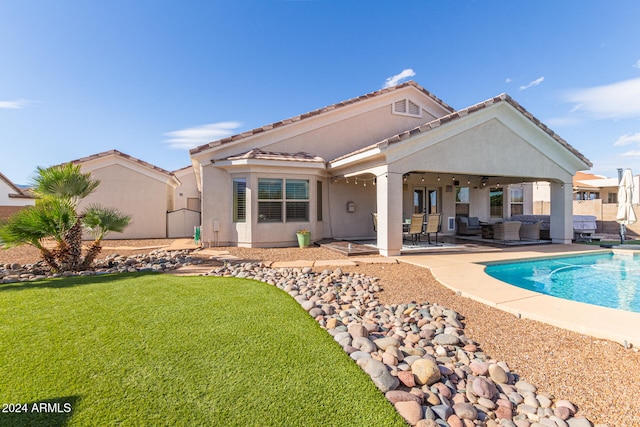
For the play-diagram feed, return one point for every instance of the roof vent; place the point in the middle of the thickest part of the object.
(406, 107)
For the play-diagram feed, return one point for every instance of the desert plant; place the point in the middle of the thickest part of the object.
(67, 183)
(49, 220)
(99, 221)
(55, 218)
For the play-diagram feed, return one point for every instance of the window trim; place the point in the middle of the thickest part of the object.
(236, 206)
(511, 200)
(496, 190)
(284, 201)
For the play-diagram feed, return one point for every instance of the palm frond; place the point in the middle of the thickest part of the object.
(100, 220)
(63, 181)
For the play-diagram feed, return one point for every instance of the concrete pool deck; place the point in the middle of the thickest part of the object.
(463, 273)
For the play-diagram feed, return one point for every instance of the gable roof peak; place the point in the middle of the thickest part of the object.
(118, 153)
(319, 111)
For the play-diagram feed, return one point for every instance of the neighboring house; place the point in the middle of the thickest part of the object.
(598, 195)
(392, 152)
(137, 188)
(12, 198)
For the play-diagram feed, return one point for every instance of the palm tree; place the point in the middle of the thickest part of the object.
(55, 218)
(68, 183)
(99, 221)
(50, 219)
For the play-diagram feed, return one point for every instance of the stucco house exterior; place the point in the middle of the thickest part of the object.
(146, 192)
(12, 198)
(391, 152)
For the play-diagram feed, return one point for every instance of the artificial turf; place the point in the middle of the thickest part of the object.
(163, 350)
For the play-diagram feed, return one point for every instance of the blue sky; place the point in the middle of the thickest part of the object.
(152, 77)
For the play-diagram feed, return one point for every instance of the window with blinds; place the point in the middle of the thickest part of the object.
(276, 205)
(407, 107)
(239, 200)
(297, 203)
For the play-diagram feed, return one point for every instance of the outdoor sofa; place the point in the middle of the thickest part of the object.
(468, 226)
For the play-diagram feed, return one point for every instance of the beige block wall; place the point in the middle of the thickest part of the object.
(605, 214)
(188, 189)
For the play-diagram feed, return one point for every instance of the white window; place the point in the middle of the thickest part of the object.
(517, 201)
(271, 200)
(406, 107)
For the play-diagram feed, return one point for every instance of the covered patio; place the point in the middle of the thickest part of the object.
(462, 164)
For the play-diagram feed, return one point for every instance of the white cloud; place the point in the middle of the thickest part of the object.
(637, 64)
(508, 80)
(13, 105)
(394, 80)
(633, 153)
(199, 135)
(629, 138)
(612, 101)
(536, 82)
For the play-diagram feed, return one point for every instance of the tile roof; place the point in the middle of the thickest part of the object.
(318, 112)
(256, 153)
(465, 112)
(19, 192)
(123, 155)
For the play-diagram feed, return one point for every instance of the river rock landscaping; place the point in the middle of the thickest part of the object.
(416, 353)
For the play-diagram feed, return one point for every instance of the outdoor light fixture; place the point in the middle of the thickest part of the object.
(422, 178)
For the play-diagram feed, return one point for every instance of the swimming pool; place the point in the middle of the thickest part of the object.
(607, 279)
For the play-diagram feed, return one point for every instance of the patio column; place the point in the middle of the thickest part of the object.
(561, 213)
(389, 207)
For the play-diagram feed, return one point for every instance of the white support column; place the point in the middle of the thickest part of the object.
(561, 213)
(389, 207)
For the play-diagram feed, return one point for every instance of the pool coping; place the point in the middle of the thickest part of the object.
(464, 274)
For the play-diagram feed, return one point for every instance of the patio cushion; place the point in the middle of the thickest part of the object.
(474, 222)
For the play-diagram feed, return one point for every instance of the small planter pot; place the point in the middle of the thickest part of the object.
(304, 239)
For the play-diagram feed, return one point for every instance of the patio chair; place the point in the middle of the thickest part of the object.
(507, 231)
(433, 226)
(530, 231)
(415, 228)
(468, 226)
(374, 218)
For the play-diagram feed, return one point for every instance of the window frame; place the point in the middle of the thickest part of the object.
(462, 206)
(287, 200)
(491, 206)
(236, 216)
(513, 203)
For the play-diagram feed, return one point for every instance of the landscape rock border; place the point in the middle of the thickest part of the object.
(416, 353)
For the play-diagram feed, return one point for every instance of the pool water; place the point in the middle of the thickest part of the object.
(605, 279)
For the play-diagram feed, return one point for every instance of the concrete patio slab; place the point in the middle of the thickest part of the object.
(335, 263)
(292, 264)
(375, 260)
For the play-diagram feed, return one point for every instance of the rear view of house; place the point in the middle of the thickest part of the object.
(392, 153)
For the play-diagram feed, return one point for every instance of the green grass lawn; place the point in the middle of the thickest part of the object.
(165, 350)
